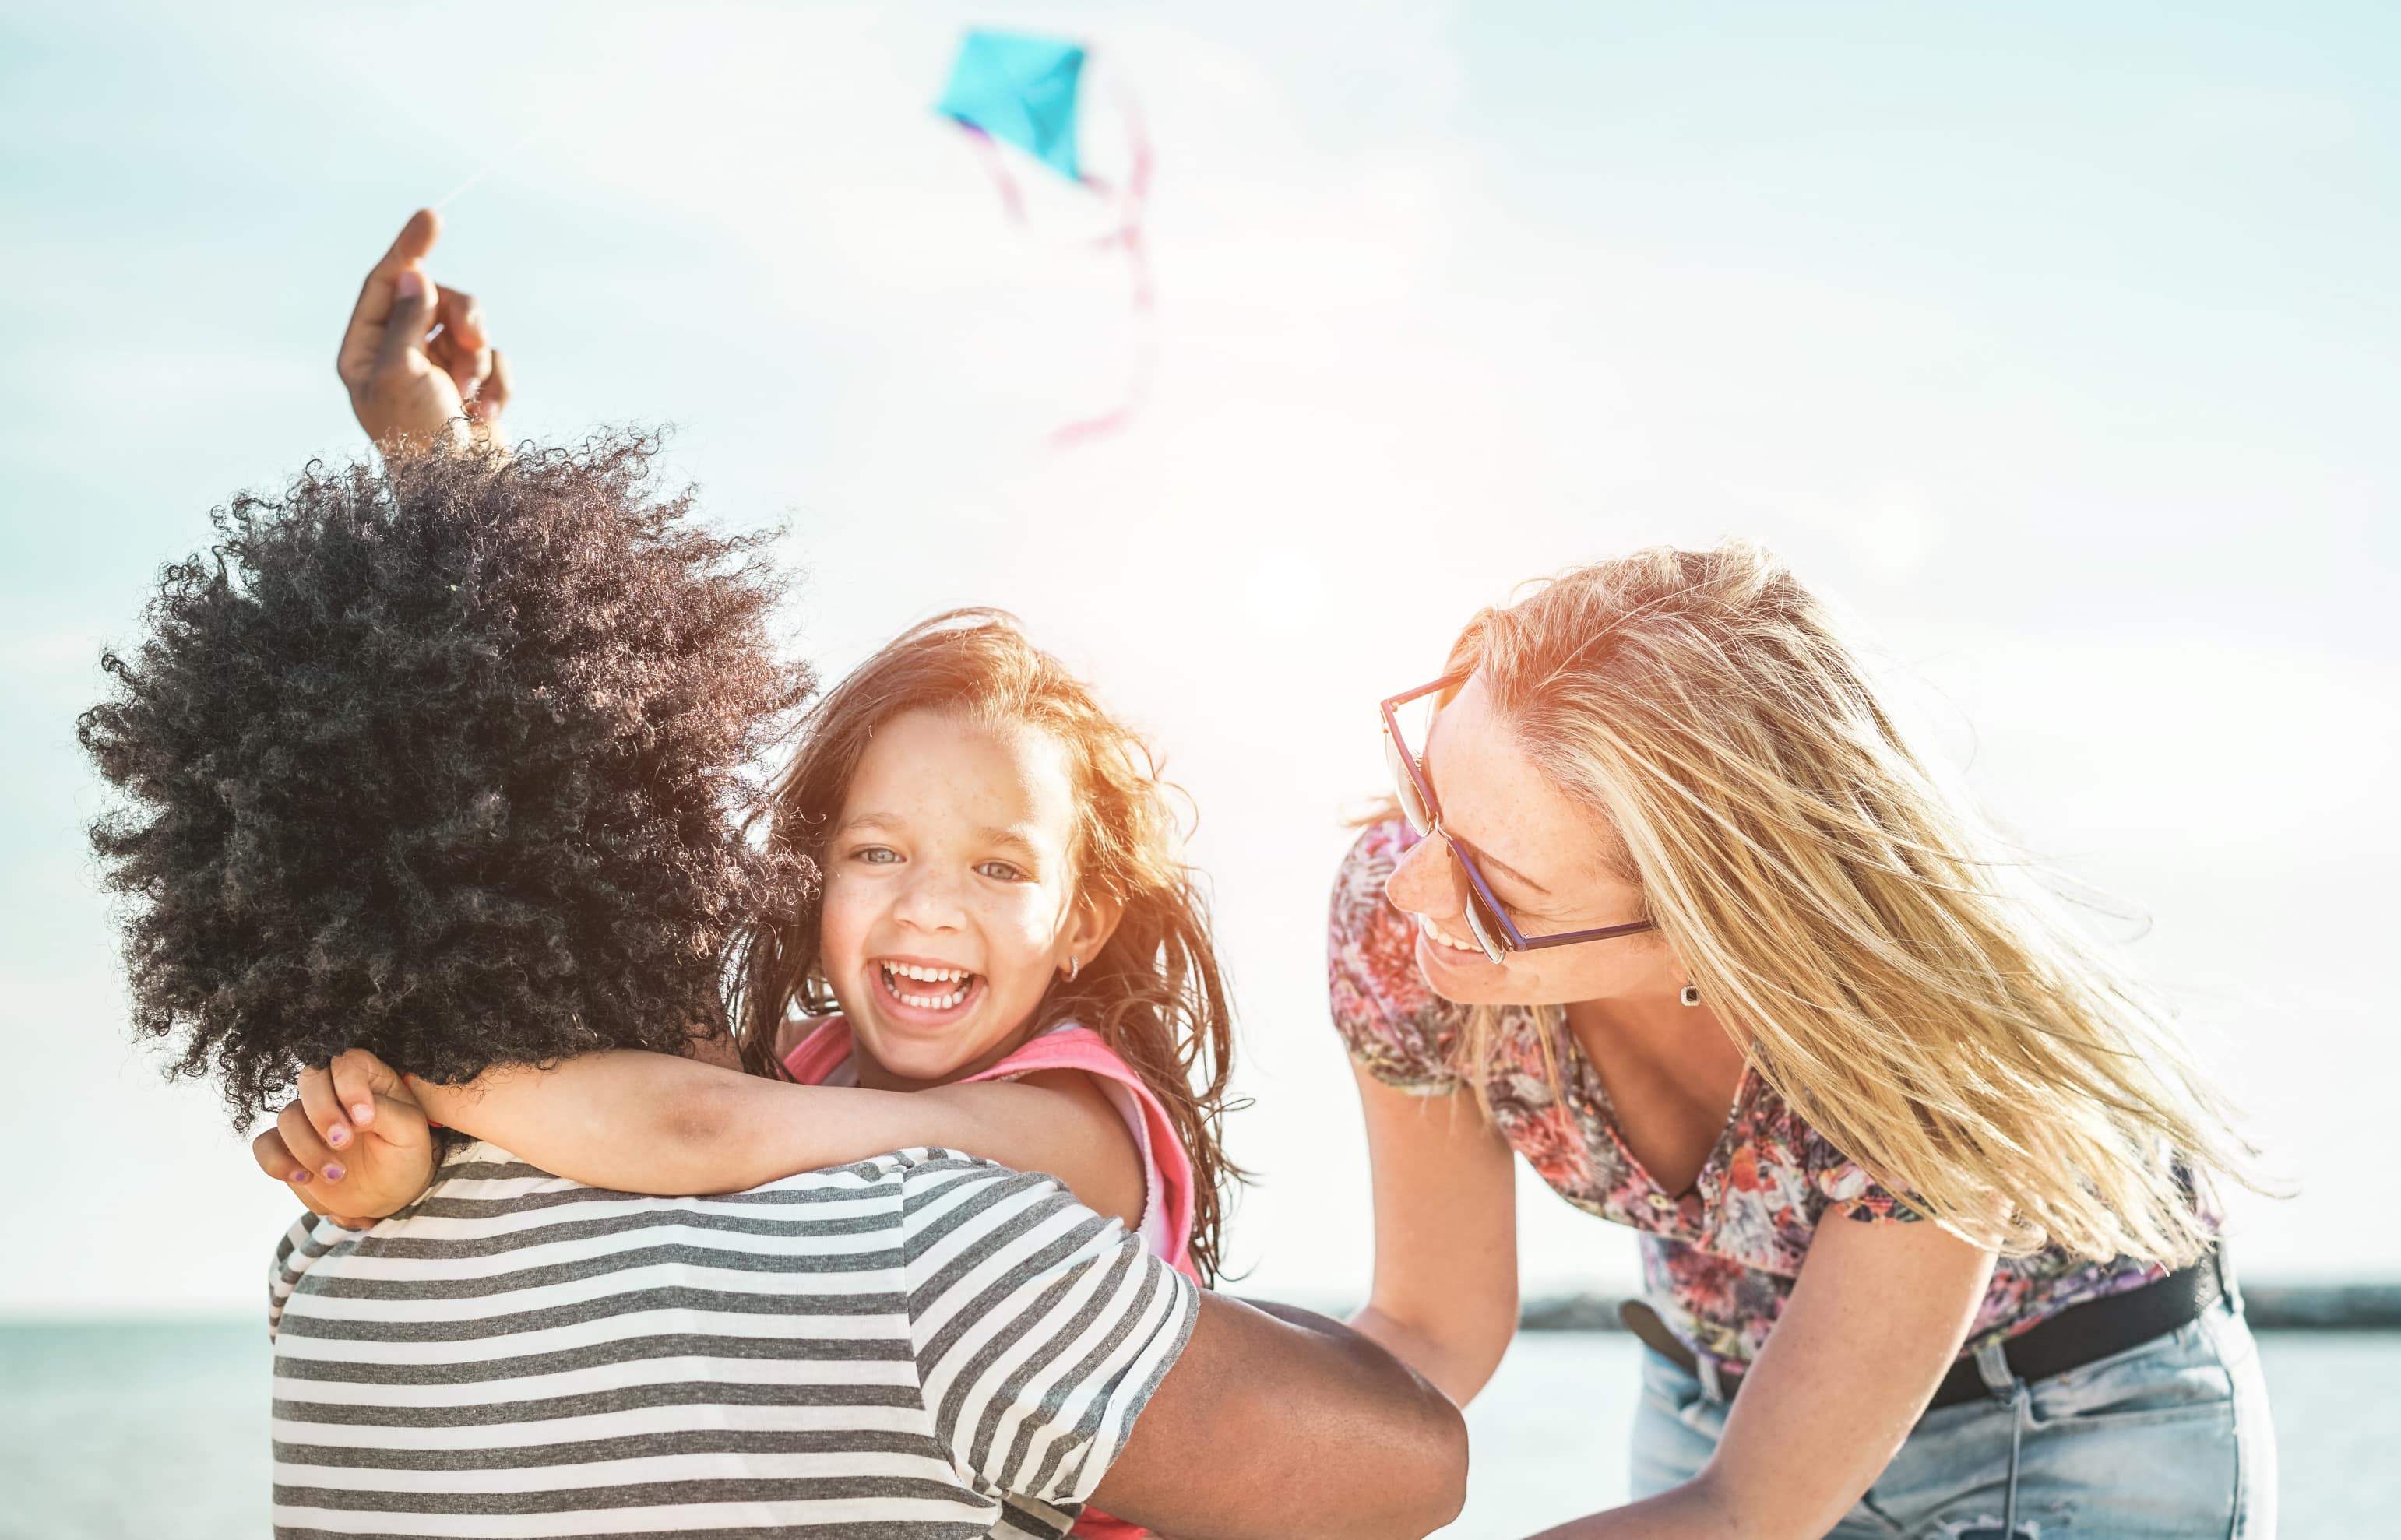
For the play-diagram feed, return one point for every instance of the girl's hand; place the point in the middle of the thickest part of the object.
(355, 1147)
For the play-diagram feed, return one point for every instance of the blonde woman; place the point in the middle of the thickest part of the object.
(1921, 1178)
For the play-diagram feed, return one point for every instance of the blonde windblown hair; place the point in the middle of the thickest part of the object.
(1904, 979)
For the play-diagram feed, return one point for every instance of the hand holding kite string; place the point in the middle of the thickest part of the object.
(417, 361)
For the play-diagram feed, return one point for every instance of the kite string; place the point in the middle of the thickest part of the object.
(494, 164)
(542, 125)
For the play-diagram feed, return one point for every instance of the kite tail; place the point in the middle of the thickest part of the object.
(1009, 197)
(1128, 236)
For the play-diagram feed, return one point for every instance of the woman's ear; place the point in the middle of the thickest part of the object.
(1089, 929)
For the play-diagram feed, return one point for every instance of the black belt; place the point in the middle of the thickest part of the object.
(2078, 1335)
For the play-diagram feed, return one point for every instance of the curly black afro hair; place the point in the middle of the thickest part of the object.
(448, 760)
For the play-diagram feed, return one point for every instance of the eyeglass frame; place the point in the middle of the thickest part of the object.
(1511, 939)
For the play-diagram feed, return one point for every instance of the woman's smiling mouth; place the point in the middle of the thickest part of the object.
(1440, 957)
(1445, 938)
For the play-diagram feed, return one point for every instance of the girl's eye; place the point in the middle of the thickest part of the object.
(875, 855)
(1001, 871)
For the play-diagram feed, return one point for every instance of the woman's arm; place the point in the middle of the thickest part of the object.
(1874, 1321)
(1445, 1297)
(649, 1123)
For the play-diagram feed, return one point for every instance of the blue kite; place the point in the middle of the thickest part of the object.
(1020, 90)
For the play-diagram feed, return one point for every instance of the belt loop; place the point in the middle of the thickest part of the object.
(1704, 1369)
(1993, 1366)
(2020, 1400)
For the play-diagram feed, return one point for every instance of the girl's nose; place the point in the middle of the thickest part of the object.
(1425, 883)
(929, 901)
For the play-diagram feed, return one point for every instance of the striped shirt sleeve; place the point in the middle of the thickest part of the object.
(1041, 1328)
(309, 1239)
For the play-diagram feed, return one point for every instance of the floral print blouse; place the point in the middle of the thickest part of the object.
(1718, 1261)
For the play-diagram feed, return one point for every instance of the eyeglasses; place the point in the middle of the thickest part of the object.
(1491, 926)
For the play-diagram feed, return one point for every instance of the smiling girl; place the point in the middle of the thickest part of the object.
(1003, 918)
(1005, 957)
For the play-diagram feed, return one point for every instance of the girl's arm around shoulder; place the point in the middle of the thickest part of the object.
(649, 1123)
(1057, 1120)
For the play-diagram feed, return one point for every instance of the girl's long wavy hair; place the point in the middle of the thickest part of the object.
(1902, 977)
(1155, 992)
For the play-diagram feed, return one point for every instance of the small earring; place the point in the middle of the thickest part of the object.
(1073, 967)
(1692, 995)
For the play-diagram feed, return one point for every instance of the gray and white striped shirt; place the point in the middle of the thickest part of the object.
(924, 1345)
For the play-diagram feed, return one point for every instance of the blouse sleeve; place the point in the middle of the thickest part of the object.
(1396, 1028)
(1845, 1187)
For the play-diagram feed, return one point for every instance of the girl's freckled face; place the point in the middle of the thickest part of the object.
(949, 882)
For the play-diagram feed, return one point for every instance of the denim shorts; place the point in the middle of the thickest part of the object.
(2168, 1438)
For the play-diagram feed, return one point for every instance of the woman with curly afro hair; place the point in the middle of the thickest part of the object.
(451, 763)
(447, 759)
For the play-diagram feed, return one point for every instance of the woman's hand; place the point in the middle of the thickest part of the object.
(355, 1147)
(417, 361)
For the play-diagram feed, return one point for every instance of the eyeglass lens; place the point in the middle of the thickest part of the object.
(1480, 923)
(1413, 806)
(1405, 785)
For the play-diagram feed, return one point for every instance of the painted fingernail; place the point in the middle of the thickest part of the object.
(299, 1178)
(409, 285)
(337, 1136)
(333, 1173)
(363, 1111)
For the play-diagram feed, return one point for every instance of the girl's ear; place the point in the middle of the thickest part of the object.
(1089, 929)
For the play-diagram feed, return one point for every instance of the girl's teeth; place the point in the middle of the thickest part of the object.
(895, 971)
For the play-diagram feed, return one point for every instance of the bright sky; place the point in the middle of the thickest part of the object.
(2057, 345)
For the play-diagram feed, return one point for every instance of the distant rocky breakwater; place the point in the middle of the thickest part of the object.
(2270, 1306)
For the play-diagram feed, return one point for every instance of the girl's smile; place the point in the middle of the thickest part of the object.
(950, 894)
(929, 994)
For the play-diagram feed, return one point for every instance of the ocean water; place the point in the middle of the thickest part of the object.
(160, 1432)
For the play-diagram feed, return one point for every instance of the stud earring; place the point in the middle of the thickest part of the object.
(1691, 995)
